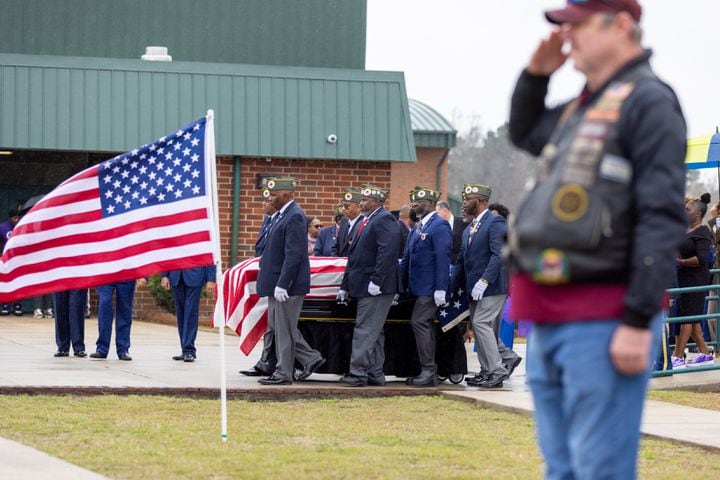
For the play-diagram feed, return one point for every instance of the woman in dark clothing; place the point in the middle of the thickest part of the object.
(693, 270)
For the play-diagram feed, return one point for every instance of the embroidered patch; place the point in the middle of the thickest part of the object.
(551, 267)
(616, 168)
(570, 202)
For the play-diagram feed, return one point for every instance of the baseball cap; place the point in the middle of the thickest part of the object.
(577, 10)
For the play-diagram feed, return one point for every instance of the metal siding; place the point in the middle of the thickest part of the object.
(318, 33)
(57, 104)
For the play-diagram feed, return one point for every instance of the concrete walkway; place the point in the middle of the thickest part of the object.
(27, 365)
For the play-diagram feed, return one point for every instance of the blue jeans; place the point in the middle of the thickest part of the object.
(125, 291)
(587, 414)
(187, 307)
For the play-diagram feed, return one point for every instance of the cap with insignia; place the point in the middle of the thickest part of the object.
(423, 193)
(266, 193)
(352, 195)
(371, 191)
(476, 189)
(281, 183)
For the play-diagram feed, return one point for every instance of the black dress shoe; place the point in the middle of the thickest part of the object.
(493, 381)
(61, 353)
(273, 380)
(124, 356)
(80, 354)
(480, 377)
(179, 358)
(510, 367)
(98, 355)
(310, 368)
(376, 382)
(254, 372)
(422, 381)
(188, 357)
(352, 381)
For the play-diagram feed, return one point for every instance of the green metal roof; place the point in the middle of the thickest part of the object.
(315, 33)
(430, 129)
(95, 104)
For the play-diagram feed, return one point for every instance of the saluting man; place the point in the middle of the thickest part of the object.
(284, 278)
(372, 277)
(348, 225)
(425, 269)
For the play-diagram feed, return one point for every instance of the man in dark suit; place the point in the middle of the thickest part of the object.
(372, 276)
(348, 225)
(425, 269)
(457, 225)
(269, 212)
(187, 287)
(284, 278)
(328, 235)
(480, 268)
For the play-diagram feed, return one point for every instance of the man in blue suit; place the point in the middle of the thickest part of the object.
(480, 269)
(284, 278)
(328, 236)
(187, 287)
(348, 225)
(425, 269)
(372, 276)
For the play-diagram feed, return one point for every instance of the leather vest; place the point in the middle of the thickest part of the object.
(576, 224)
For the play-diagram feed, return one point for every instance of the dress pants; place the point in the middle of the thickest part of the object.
(187, 305)
(368, 344)
(70, 320)
(289, 342)
(483, 314)
(268, 360)
(423, 327)
(507, 355)
(124, 293)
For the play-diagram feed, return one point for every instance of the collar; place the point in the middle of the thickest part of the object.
(284, 208)
(424, 220)
(479, 217)
(586, 96)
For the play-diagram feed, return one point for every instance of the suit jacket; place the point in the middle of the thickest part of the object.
(284, 262)
(458, 227)
(425, 266)
(325, 242)
(482, 258)
(191, 277)
(344, 239)
(262, 235)
(374, 257)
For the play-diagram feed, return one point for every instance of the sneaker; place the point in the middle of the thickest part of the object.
(701, 359)
(677, 362)
(37, 313)
(17, 310)
(49, 313)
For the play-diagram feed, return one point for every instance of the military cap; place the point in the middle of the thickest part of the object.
(352, 195)
(371, 191)
(423, 193)
(266, 193)
(281, 183)
(470, 189)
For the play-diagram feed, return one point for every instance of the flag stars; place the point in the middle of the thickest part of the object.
(117, 184)
(178, 193)
(152, 191)
(177, 147)
(187, 136)
(143, 200)
(196, 127)
(169, 156)
(176, 162)
(118, 198)
(142, 170)
(125, 174)
(160, 181)
(168, 171)
(195, 142)
(116, 169)
(109, 194)
(161, 197)
(126, 189)
(135, 195)
(126, 204)
(135, 179)
(111, 209)
(187, 183)
(195, 157)
(143, 185)
(177, 177)
(186, 167)
(196, 190)
(169, 187)
(186, 152)
(152, 175)
(195, 174)
(151, 160)
(179, 133)
(107, 179)
(134, 165)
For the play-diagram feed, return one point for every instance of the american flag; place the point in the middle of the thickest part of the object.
(455, 312)
(246, 312)
(139, 213)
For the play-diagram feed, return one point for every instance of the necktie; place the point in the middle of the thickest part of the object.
(362, 225)
(473, 229)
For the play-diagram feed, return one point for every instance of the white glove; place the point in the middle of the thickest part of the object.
(439, 296)
(341, 296)
(396, 299)
(478, 290)
(373, 289)
(281, 294)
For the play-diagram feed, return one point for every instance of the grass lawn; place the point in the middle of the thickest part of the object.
(401, 437)
(706, 400)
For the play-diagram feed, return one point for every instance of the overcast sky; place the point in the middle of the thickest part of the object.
(462, 57)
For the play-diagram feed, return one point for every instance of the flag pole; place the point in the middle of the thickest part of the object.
(210, 157)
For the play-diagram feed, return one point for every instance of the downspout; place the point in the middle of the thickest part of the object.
(235, 212)
(438, 171)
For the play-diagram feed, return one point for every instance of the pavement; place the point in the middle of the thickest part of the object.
(27, 365)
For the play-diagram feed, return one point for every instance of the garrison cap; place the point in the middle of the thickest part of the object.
(472, 189)
(352, 195)
(281, 183)
(423, 193)
(371, 191)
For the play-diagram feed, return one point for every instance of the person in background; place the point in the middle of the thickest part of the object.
(594, 242)
(43, 306)
(457, 225)
(314, 225)
(122, 311)
(348, 225)
(70, 322)
(693, 270)
(713, 304)
(6, 229)
(187, 288)
(328, 235)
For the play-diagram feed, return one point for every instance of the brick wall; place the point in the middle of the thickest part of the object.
(320, 183)
(406, 175)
